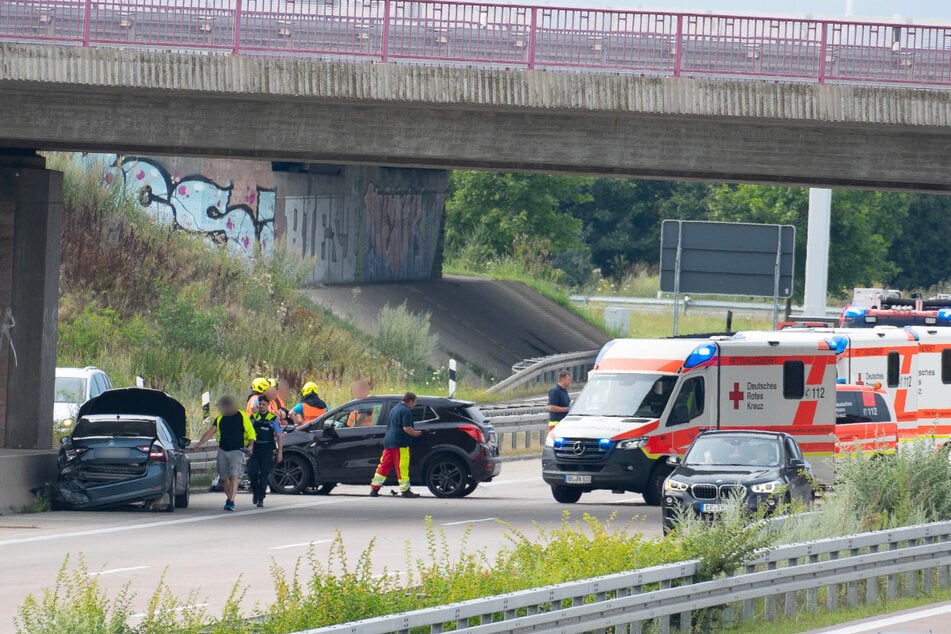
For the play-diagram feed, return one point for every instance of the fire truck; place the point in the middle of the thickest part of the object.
(872, 307)
(647, 399)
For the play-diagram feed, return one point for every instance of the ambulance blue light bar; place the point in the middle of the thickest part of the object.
(838, 343)
(603, 351)
(604, 444)
(700, 355)
(855, 312)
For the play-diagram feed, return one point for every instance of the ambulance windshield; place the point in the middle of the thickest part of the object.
(625, 395)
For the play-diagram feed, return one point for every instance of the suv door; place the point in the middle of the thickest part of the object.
(351, 454)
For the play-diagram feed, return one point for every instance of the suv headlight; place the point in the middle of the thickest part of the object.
(674, 485)
(632, 443)
(767, 487)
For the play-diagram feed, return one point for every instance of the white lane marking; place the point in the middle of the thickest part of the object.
(299, 545)
(187, 520)
(142, 615)
(115, 570)
(518, 481)
(874, 626)
(484, 519)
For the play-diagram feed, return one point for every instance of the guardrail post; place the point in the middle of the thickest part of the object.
(533, 24)
(236, 43)
(87, 19)
(385, 38)
(823, 47)
(678, 45)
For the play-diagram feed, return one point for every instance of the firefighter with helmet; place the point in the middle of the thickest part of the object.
(311, 406)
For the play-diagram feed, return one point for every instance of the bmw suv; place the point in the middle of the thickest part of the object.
(456, 452)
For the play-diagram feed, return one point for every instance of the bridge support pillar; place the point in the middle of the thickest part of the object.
(31, 216)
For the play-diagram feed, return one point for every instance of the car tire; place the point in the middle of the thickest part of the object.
(166, 503)
(447, 477)
(566, 495)
(655, 483)
(326, 488)
(292, 476)
(469, 488)
(182, 501)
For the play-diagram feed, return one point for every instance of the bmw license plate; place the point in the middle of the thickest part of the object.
(577, 479)
(711, 508)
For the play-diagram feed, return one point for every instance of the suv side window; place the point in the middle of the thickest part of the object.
(424, 414)
(363, 414)
(689, 401)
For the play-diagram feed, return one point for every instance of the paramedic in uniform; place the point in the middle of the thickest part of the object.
(558, 399)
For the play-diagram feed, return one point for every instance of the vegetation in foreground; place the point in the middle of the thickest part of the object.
(874, 493)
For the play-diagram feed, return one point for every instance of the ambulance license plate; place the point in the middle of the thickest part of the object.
(577, 479)
(706, 507)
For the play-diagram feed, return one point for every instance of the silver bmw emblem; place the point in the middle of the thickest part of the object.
(578, 448)
(112, 443)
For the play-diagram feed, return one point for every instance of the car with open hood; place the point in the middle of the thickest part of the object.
(764, 469)
(456, 452)
(127, 447)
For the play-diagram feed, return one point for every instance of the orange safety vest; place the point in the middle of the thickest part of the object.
(311, 412)
(272, 405)
(353, 419)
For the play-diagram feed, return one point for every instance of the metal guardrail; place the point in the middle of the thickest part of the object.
(502, 36)
(702, 305)
(850, 569)
(545, 370)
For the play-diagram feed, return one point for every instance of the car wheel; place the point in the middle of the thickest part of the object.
(655, 483)
(566, 495)
(181, 501)
(291, 477)
(447, 477)
(326, 488)
(166, 503)
(469, 488)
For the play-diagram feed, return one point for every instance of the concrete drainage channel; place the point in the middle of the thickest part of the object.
(792, 579)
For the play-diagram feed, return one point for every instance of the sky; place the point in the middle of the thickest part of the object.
(918, 10)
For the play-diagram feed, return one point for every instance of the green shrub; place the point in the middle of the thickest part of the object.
(404, 337)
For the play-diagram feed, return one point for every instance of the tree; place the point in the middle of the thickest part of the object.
(921, 251)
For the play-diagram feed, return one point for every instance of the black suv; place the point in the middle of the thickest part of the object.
(456, 452)
(763, 468)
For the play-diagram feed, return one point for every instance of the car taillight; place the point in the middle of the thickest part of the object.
(156, 452)
(474, 432)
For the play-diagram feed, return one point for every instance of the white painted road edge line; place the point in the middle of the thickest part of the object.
(115, 570)
(187, 520)
(484, 519)
(870, 626)
(320, 541)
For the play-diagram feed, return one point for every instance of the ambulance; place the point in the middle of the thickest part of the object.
(647, 399)
(934, 383)
(884, 357)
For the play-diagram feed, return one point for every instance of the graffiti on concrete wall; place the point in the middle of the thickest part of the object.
(238, 216)
(403, 232)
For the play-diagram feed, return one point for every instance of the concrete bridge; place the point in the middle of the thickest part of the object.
(724, 98)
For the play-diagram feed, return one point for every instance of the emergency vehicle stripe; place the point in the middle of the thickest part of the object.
(805, 413)
(638, 431)
(818, 369)
(760, 361)
(882, 351)
(656, 365)
(901, 397)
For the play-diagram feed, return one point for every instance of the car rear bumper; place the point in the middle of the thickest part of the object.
(79, 494)
(486, 467)
(626, 470)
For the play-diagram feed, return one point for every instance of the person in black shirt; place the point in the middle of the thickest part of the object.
(235, 434)
(558, 399)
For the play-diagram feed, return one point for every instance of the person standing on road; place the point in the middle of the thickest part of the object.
(269, 434)
(235, 434)
(559, 401)
(399, 435)
(311, 406)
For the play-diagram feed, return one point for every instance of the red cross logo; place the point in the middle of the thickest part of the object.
(736, 396)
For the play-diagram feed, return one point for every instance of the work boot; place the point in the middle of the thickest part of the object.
(260, 503)
(410, 494)
(374, 493)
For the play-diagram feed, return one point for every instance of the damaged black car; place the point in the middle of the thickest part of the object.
(127, 447)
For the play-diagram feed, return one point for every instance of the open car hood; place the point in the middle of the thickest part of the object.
(139, 401)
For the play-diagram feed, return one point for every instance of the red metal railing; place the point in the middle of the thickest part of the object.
(500, 36)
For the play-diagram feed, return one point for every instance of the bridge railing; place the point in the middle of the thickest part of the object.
(501, 36)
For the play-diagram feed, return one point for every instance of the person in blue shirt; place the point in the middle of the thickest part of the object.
(270, 437)
(400, 433)
(559, 402)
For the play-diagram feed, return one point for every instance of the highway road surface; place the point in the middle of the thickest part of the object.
(206, 549)
(928, 619)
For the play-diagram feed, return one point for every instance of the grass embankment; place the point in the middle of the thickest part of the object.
(910, 488)
(142, 299)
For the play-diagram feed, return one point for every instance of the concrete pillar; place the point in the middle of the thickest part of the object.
(31, 216)
(817, 252)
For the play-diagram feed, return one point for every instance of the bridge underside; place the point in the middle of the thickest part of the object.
(398, 134)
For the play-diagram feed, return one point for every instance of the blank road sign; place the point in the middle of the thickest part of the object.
(727, 258)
